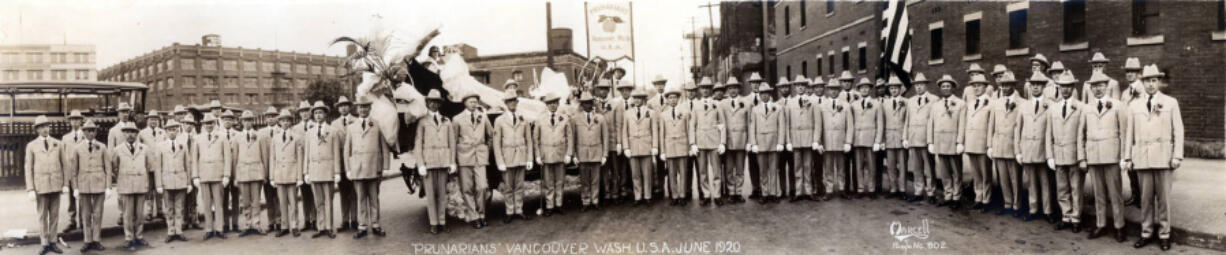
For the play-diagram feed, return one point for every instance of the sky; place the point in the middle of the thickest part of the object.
(122, 30)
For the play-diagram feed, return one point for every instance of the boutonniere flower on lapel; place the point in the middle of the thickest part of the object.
(1072, 107)
(1046, 105)
(1158, 107)
(1009, 106)
(838, 107)
(1108, 104)
(869, 105)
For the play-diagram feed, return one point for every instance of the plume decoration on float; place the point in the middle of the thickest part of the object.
(383, 61)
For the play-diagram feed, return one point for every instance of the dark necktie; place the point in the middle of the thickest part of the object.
(436, 122)
(284, 137)
(977, 101)
(172, 147)
(922, 100)
(344, 121)
(512, 119)
(896, 104)
(638, 112)
(589, 118)
(674, 113)
(1149, 103)
(46, 145)
(1036, 106)
(552, 118)
(474, 118)
(132, 148)
(1100, 105)
(364, 125)
(1064, 110)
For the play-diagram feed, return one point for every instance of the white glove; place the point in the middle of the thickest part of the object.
(306, 177)
(566, 159)
(225, 181)
(778, 147)
(603, 159)
(819, 148)
(989, 152)
(110, 192)
(627, 153)
(722, 149)
(788, 146)
(618, 147)
(502, 168)
(846, 147)
(750, 148)
(299, 183)
(196, 182)
(160, 190)
(754, 148)
(538, 160)
(959, 148)
(876, 147)
(905, 144)
(655, 151)
(1124, 164)
(76, 193)
(1082, 164)
(421, 170)
(693, 149)
(813, 146)
(1051, 163)
(451, 169)
(1175, 163)
(64, 190)
(336, 178)
(31, 195)
(932, 149)
(528, 165)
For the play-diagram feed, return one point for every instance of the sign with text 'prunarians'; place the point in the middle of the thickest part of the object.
(610, 30)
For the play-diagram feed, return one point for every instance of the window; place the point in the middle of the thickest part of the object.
(804, 68)
(1074, 21)
(316, 69)
(10, 75)
(170, 64)
(829, 7)
(1017, 29)
(863, 58)
(229, 65)
(249, 82)
(82, 74)
(189, 82)
(972, 37)
(208, 64)
(170, 83)
(59, 75)
(188, 64)
(209, 82)
(283, 67)
(301, 83)
(249, 66)
(819, 66)
(266, 67)
(1144, 17)
(300, 68)
(231, 82)
(831, 66)
(935, 38)
(803, 14)
(252, 98)
(11, 58)
(329, 70)
(846, 60)
(788, 73)
(787, 20)
(34, 75)
(34, 57)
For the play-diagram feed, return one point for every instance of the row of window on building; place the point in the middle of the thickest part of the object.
(43, 74)
(231, 98)
(230, 65)
(43, 57)
(825, 64)
(208, 82)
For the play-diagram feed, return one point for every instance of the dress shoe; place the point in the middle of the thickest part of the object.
(283, 233)
(904, 197)
(1017, 213)
(1062, 226)
(377, 231)
(1029, 217)
(71, 226)
(88, 247)
(548, 212)
(1164, 244)
(955, 206)
(705, 202)
(130, 246)
(1096, 233)
(208, 235)
(507, 220)
(559, 211)
(141, 242)
(977, 206)
(98, 247)
(360, 234)
(719, 202)
(52, 248)
(525, 217)
(319, 234)
(1120, 237)
(296, 232)
(932, 200)
(1142, 243)
(1005, 211)
(1076, 227)
(476, 225)
(170, 239)
(433, 229)
(986, 209)
(309, 226)
(219, 235)
(793, 199)
(344, 227)
(1052, 219)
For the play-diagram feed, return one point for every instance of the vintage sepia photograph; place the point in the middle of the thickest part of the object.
(612, 127)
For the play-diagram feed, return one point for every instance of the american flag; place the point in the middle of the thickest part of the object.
(896, 41)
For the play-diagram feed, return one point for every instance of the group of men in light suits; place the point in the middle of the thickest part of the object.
(222, 170)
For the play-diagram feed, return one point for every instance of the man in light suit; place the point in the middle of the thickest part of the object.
(707, 141)
(973, 136)
(513, 154)
(869, 132)
(765, 138)
(641, 139)
(173, 178)
(615, 173)
(1029, 145)
(590, 149)
(1098, 64)
(1002, 142)
(93, 184)
(435, 146)
(1135, 90)
(250, 173)
(472, 155)
(131, 161)
(285, 171)
(1154, 149)
(783, 92)
(554, 143)
(46, 180)
(212, 174)
(736, 112)
(270, 190)
(837, 134)
(1104, 121)
(1061, 145)
(803, 120)
(305, 194)
(916, 139)
(150, 136)
(943, 130)
(367, 154)
(74, 137)
(322, 170)
(751, 99)
(348, 198)
(894, 108)
(674, 141)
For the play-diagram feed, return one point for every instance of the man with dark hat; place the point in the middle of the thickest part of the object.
(367, 152)
(472, 155)
(435, 142)
(46, 181)
(554, 145)
(513, 154)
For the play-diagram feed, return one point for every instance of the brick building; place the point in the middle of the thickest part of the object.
(494, 70)
(47, 62)
(742, 50)
(244, 78)
(1185, 38)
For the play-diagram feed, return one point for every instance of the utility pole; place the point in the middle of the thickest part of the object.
(711, 37)
(549, 35)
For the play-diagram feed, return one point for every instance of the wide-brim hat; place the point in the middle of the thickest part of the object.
(434, 95)
(188, 119)
(603, 83)
(585, 97)
(89, 125)
(705, 82)
(208, 118)
(1099, 58)
(1040, 58)
(1056, 66)
(977, 79)
(214, 104)
(689, 86)
(639, 93)
(834, 83)
(285, 114)
(659, 77)
(718, 86)
(1006, 77)
(975, 68)
(553, 98)
(846, 76)
(880, 83)
(1038, 77)
(732, 81)
(153, 114)
(817, 81)
(128, 127)
(247, 115)
(1098, 77)
(171, 124)
(75, 114)
(363, 100)
(319, 105)
(40, 121)
(1151, 71)
(510, 95)
(1065, 79)
(227, 114)
(342, 101)
(764, 88)
(625, 85)
(179, 109)
(471, 95)
(998, 69)
(783, 82)
(754, 77)
(303, 105)
(864, 82)
(672, 91)
(800, 80)
(509, 83)
(947, 78)
(1132, 64)
(272, 110)
(123, 106)
(894, 81)
(919, 78)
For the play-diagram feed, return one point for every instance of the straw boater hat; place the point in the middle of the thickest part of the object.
(783, 82)
(303, 106)
(764, 88)
(171, 124)
(247, 115)
(1099, 58)
(975, 68)
(215, 104)
(40, 121)
(977, 80)
(89, 125)
(754, 77)
(1040, 58)
(342, 101)
(919, 78)
(434, 95)
(179, 109)
(999, 69)
(285, 115)
(123, 107)
(509, 83)
(846, 77)
(509, 95)
(362, 101)
(1038, 78)
(705, 82)
(208, 118)
(1098, 77)
(817, 81)
(75, 114)
(271, 111)
(319, 105)
(1132, 64)
(946, 78)
(1056, 66)
(1065, 79)
(1151, 71)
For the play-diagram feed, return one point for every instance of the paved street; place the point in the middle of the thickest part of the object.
(837, 226)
